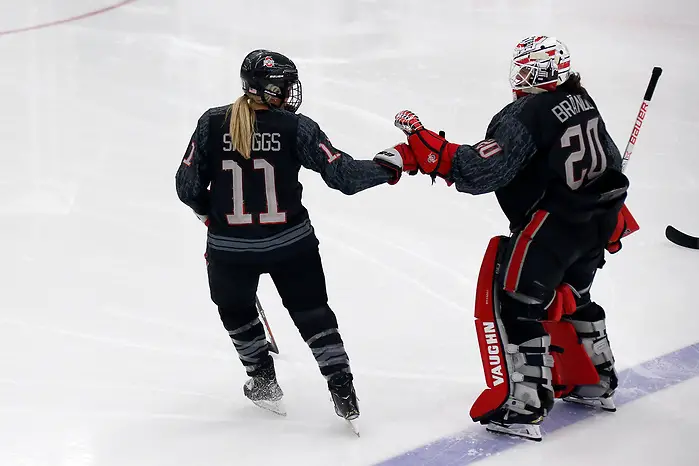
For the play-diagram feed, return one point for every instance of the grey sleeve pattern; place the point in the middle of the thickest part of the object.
(483, 168)
(337, 168)
(192, 178)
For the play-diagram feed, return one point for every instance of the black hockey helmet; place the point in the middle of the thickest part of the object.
(271, 78)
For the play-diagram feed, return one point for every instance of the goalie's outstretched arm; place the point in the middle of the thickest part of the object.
(474, 169)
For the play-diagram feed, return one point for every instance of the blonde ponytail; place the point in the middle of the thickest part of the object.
(242, 125)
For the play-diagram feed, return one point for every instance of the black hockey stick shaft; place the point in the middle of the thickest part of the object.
(272, 343)
(681, 239)
(640, 117)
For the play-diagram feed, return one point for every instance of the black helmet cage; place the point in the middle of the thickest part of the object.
(271, 78)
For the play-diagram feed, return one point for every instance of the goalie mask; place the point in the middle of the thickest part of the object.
(539, 64)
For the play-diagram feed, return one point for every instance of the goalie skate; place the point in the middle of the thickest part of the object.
(606, 404)
(527, 431)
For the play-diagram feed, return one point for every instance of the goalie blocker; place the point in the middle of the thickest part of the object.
(523, 379)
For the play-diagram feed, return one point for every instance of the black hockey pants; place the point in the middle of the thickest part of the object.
(300, 282)
(544, 254)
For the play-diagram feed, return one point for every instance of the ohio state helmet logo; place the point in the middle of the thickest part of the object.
(268, 62)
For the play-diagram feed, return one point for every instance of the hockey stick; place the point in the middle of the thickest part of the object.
(671, 233)
(631, 224)
(681, 239)
(272, 344)
(654, 77)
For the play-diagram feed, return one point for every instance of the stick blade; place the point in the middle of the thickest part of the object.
(681, 239)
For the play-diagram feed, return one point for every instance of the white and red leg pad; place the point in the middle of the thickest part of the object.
(490, 333)
(572, 366)
(519, 377)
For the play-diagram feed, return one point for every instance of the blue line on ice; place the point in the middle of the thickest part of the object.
(476, 444)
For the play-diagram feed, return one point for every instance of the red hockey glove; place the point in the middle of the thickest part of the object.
(433, 152)
(407, 122)
(398, 158)
(625, 225)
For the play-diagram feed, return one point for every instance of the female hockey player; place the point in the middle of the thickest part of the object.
(556, 173)
(240, 176)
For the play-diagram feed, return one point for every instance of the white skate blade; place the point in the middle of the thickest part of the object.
(527, 431)
(353, 425)
(276, 407)
(606, 404)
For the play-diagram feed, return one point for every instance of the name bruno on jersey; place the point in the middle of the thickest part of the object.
(265, 142)
(571, 107)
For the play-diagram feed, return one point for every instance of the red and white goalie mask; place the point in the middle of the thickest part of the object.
(539, 64)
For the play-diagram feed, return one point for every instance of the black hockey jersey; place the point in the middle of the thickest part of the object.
(254, 205)
(546, 151)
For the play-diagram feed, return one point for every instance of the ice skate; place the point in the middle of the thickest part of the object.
(606, 404)
(527, 431)
(265, 392)
(345, 399)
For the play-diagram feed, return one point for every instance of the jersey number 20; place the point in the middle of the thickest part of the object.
(239, 217)
(590, 153)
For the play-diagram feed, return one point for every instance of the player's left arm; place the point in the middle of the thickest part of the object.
(192, 178)
(337, 168)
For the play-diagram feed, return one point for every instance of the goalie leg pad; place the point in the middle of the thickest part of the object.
(572, 364)
(591, 328)
(524, 316)
(518, 376)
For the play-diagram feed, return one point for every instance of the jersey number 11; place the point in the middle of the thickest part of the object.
(239, 217)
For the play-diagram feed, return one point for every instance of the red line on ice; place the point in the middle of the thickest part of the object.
(67, 20)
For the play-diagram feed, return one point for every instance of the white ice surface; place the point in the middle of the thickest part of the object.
(649, 431)
(112, 353)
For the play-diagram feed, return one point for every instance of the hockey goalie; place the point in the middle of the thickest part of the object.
(557, 175)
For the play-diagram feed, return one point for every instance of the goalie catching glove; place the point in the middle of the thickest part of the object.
(433, 153)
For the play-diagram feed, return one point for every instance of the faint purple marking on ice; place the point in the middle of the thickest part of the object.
(476, 444)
